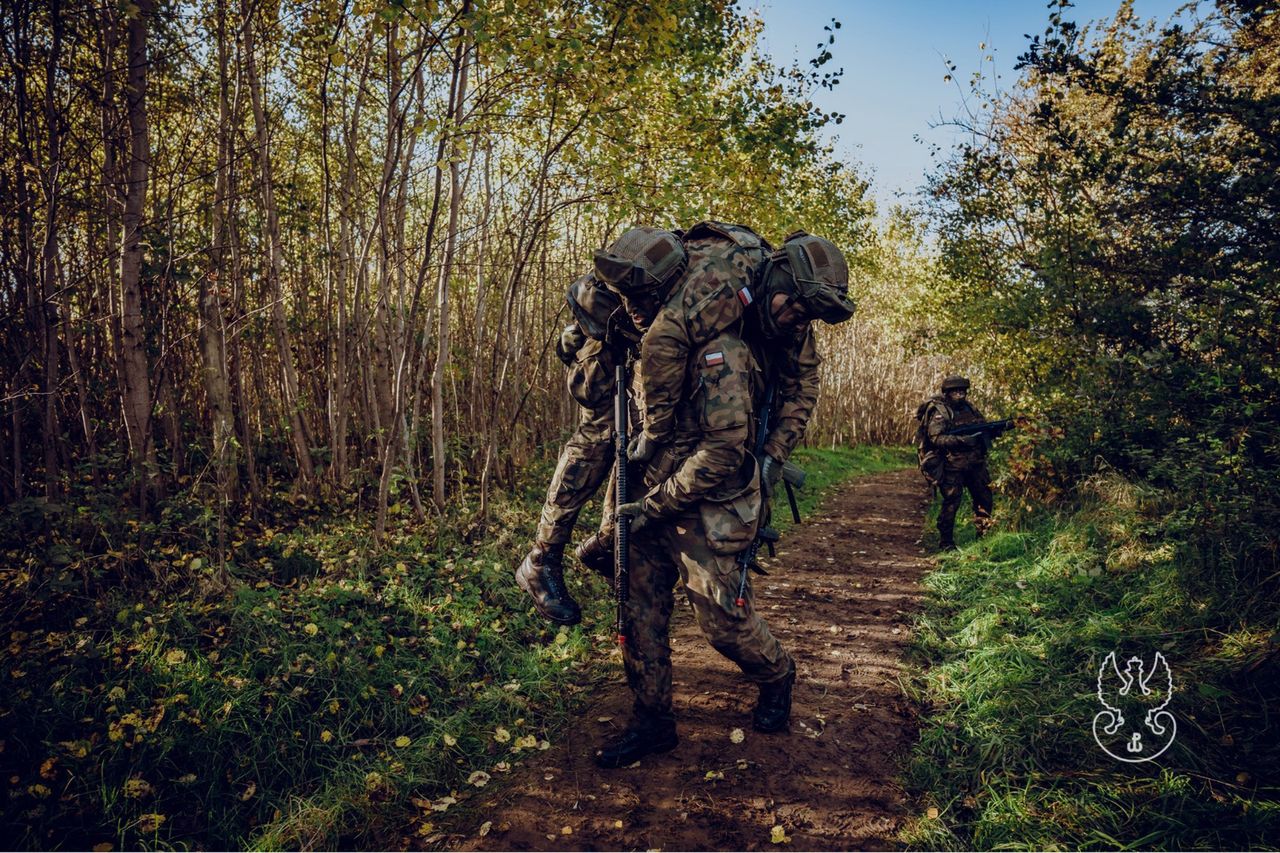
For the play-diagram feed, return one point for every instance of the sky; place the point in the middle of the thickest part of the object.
(893, 58)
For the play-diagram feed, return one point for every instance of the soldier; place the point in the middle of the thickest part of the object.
(591, 346)
(955, 462)
(700, 510)
(807, 279)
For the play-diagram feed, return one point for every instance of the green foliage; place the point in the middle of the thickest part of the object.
(1110, 242)
(1015, 629)
(335, 694)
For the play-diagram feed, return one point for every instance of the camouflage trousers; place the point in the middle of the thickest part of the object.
(954, 483)
(584, 464)
(683, 548)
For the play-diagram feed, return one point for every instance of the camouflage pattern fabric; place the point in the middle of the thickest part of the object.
(698, 547)
(964, 465)
(587, 456)
(710, 298)
(708, 453)
(954, 483)
(797, 392)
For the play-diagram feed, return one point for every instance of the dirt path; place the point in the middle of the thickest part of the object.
(838, 597)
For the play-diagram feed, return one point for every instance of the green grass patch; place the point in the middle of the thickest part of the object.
(827, 467)
(337, 694)
(1015, 630)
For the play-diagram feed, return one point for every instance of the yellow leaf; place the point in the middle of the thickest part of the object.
(149, 823)
(311, 629)
(175, 657)
(566, 830)
(450, 740)
(617, 824)
(737, 736)
(485, 827)
(501, 735)
(249, 791)
(104, 847)
(778, 835)
(402, 741)
(932, 813)
(478, 778)
(326, 736)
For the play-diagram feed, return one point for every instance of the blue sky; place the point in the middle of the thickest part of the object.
(892, 54)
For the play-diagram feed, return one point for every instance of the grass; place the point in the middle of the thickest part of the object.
(1015, 630)
(339, 694)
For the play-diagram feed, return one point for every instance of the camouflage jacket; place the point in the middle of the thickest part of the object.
(711, 298)
(794, 366)
(941, 416)
(707, 458)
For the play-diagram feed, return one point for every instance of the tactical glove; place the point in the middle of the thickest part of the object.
(642, 448)
(974, 440)
(635, 512)
(571, 340)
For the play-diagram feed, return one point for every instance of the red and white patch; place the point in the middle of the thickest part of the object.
(714, 359)
(745, 296)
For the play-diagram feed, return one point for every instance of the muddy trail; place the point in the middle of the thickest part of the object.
(839, 596)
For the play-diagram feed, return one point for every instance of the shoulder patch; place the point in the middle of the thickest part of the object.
(714, 359)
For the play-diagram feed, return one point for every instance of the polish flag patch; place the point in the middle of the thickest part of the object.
(745, 296)
(714, 359)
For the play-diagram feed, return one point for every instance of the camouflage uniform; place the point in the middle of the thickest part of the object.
(587, 456)
(704, 501)
(964, 465)
(724, 264)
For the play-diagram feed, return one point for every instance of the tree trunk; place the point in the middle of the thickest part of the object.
(134, 375)
(48, 313)
(446, 271)
(298, 433)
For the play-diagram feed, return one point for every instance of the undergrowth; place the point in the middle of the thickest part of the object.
(1015, 631)
(333, 693)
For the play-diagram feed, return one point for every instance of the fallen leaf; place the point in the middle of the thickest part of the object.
(932, 813)
(778, 835)
(566, 830)
(403, 741)
(450, 740)
(617, 824)
(714, 774)
(104, 847)
(249, 791)
(603, 719)
(479, 778)
(501, 735)
(485, 827)
(737, 736)
(311, 629)
(149, 823)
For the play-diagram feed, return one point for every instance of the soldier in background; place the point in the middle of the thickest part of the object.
(955, 462)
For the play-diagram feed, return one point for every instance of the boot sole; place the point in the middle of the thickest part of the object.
(609, 765)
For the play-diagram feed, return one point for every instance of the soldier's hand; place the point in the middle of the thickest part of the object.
(973, 439)
(571, 340)
(634, 511)
(770, 474)
(642, 448)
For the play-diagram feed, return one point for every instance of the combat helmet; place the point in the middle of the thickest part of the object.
(642, 262)
(955, 383)
(812, 271)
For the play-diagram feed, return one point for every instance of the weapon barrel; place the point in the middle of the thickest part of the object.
(793, 475)
(622, 526)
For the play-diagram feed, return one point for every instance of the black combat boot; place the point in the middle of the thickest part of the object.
(947, 537)
(542, 576)
(596, 553)
(646, 735)
(773, 710)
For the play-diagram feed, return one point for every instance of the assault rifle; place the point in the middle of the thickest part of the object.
(989, 431)
(793, 477)
(622, 523)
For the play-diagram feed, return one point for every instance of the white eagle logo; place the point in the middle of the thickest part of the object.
(1135, 690)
